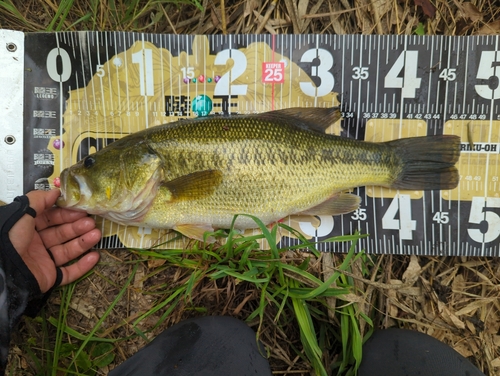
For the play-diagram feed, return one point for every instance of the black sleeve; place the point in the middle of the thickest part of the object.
(19, 290)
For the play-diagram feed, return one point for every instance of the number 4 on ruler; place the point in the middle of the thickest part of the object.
(404, 224)
(409, 83)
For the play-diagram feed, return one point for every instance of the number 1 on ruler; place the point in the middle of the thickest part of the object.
(145, 60)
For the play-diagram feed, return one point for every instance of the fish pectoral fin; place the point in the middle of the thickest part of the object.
(338, 204)
(195, 185)
(195, 231)
(312, 118)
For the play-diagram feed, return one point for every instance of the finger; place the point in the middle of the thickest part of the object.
(42, 200)
(57, 216)
(20, 234)
(60, 234)
(66, 252)
(39, 201)
(74, 271)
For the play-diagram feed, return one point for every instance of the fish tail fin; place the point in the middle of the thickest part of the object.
(427, 162)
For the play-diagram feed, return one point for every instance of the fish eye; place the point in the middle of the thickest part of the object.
(88, 162)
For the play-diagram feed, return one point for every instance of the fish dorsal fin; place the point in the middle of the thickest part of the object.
(339, 204)
(195, 185)
(318, 119)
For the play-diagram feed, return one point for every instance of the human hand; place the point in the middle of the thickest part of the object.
(66, 233)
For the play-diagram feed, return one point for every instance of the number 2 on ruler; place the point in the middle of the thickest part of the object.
(225, 85)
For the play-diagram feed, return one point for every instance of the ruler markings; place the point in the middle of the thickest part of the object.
(405, 49)
(458, 53)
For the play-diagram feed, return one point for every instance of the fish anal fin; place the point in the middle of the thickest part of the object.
(297, 218)
(341, 203)
(195, 185)
(318, 119)
(195, 231)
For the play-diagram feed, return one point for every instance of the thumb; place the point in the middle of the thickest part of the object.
(43, 200)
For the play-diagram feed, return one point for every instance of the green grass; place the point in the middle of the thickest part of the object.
(291, 294)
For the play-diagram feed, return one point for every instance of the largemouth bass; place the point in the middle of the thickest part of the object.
(195, 175)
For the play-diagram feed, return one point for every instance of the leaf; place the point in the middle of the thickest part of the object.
(470, 11)
(250, 6)
(302, 11)
(427, 7)
(420, 29)
(83, 361)
(102, 354)
(413, 271)
(491, 28)
(67, 349)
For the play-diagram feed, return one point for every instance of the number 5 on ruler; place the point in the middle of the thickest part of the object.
(482, 211)
(404, 224)
(488, 69)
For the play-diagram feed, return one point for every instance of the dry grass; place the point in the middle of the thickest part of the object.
(456, 17)
(453, 299)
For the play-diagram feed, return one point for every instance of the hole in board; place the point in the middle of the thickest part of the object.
(9, 140)
(11, 47)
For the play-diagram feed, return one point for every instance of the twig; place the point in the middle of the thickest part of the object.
(314, 9)
(376, 17)
(329, 14)
(223, 11)
(292, 12)
(266, 17)
(202, 16)
(379, 285)
(168, 20)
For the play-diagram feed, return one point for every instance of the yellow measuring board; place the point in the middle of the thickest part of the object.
(479, 160)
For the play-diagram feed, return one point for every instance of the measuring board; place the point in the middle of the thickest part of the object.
(83, 90)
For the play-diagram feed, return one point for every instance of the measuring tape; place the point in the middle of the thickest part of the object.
(84, 90)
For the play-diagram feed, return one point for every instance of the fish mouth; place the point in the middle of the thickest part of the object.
(73, 191)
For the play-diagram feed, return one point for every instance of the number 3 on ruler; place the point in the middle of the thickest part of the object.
(322, 71)
(404, 224)
(409, 83)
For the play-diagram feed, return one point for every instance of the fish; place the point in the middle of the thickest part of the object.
(195, 175)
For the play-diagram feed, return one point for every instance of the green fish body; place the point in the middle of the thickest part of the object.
(195, 175)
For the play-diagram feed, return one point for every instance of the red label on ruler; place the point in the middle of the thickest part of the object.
(273, 73)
